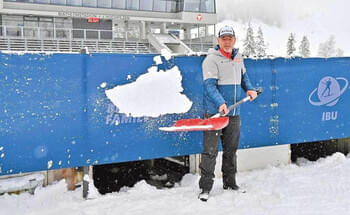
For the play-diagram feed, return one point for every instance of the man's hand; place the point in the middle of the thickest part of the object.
(253, 94)
(223, 108)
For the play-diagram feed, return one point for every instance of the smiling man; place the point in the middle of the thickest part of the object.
(224, 76)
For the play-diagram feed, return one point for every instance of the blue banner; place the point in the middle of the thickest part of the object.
(54, 112)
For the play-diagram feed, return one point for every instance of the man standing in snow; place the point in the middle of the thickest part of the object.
(224, 76)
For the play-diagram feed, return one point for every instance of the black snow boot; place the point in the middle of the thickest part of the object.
(204, 195)
(231, 187)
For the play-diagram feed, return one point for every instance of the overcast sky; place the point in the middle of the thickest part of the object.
(323, 17)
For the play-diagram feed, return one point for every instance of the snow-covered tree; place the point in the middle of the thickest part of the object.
(291, 45)
(327, 49)
(249, 43)
(260, 44)
(339, 53)
(304, 48)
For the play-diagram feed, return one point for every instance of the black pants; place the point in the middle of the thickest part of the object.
(230, 139)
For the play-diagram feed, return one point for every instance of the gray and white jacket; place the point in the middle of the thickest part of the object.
(224, 80)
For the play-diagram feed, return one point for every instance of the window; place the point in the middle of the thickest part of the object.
(180, 6)
(89, 3)
(42, 1)
(13, 25)
(192, 5)
(132, 4)
(46, 27)
(171, 6)
(58, 2)
(159, 5)
(30, 28)
(119, 4)
(62, 26)
(104, 3)
(207, 6)
(146, 4)
(74, 2)
(20, 1)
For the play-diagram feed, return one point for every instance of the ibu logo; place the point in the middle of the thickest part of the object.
(328, 93)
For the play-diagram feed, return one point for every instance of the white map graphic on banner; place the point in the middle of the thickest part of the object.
(153, 94)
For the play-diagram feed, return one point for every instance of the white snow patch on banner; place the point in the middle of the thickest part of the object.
(158, 60)
(152, 94)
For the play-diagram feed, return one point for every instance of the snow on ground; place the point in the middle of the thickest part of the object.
(154, 93)
(320, 187)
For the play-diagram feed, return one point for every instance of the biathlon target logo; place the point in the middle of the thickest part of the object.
(328, 91)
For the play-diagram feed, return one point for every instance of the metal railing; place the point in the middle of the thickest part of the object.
(94, 46)
(20, 38)
(66, 33)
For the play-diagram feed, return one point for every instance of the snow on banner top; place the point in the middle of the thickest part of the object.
(152, 94)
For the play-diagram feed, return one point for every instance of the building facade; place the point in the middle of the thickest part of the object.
(104, 20)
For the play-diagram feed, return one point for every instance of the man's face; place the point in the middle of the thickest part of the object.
(227, 43)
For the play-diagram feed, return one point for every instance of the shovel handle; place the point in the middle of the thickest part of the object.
(231, 107)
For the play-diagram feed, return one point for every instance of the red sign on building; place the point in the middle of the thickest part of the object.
(93, 19)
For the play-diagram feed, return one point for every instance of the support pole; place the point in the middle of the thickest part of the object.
(86, 177)
(86, 180)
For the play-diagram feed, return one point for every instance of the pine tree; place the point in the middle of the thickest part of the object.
(327, 49)
(339, 53)
(304, 48)
(291, 45)
(249, 42)
(260, 44)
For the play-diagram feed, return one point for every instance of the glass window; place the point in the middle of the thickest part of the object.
(89, 3)
(74, 2)
(46, 27)
(146, 4)
(45, 19)
(104, 3)
(207, 6)
(159, 5)
(59, 2)
(30, 28)
(42, 1)
(132, 4)
(180, 6)
(192, 5)
(31, 18)
(171, 6)
(31, 1)
(13, 25)
(120, 4)
(63, 26)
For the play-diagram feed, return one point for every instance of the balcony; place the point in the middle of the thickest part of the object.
(36, 39)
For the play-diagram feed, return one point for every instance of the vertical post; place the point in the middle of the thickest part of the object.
(86, 177)
(54, 30)
(86, 180)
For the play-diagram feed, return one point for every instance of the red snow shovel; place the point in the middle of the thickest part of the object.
(216, 122)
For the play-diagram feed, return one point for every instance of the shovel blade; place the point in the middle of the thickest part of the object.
(198, 124)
